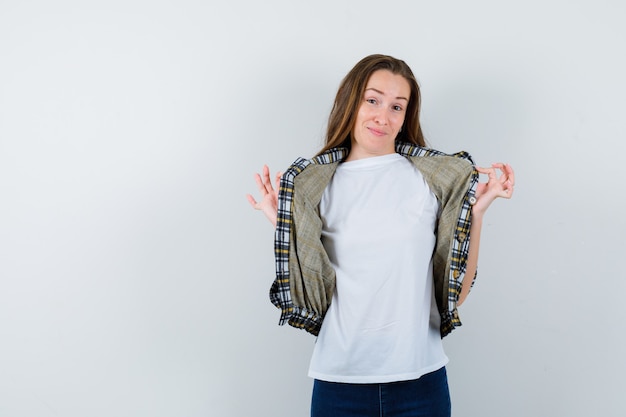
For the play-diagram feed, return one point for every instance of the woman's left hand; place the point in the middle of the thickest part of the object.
(500, 183)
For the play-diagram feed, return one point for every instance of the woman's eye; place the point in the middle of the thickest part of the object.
(397, 108)
(371, 100)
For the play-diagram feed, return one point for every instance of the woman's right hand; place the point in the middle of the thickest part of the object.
(269, 195)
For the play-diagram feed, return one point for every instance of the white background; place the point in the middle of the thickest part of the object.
(134, 275)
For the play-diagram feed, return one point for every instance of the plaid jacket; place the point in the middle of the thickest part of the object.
(305, 278)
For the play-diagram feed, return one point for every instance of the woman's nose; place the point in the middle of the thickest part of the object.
(381, 117)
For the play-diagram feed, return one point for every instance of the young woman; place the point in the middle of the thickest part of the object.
(376, 246)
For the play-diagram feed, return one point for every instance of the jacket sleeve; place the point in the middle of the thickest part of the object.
(452, 178)
(454, 237)
(305, 280)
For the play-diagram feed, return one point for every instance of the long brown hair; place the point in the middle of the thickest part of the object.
(350, 95)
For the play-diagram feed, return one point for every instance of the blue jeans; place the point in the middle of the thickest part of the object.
(427, 396)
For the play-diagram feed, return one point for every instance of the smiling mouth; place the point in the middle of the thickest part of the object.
(376, 131)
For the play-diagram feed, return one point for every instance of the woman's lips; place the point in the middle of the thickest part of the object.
(376, 132)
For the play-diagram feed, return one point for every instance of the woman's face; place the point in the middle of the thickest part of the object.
(380, 116)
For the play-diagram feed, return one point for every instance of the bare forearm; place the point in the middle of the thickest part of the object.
(486, 193)
(472, 258)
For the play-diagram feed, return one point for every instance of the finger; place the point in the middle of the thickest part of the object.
(260, 184)
(509, 186)
(510, 173)
(490, 172)
(252, 201)
(507, 178)
(266, 178)
(277, 180)
(499, 166)
(506, 172)
(483, 170)
(503, 166)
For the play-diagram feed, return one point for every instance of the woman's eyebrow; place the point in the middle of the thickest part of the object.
(381, 93)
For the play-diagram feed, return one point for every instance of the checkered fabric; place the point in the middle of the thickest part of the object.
(451, 252)
(459, 245)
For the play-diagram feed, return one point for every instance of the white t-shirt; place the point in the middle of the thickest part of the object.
(379, 217)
